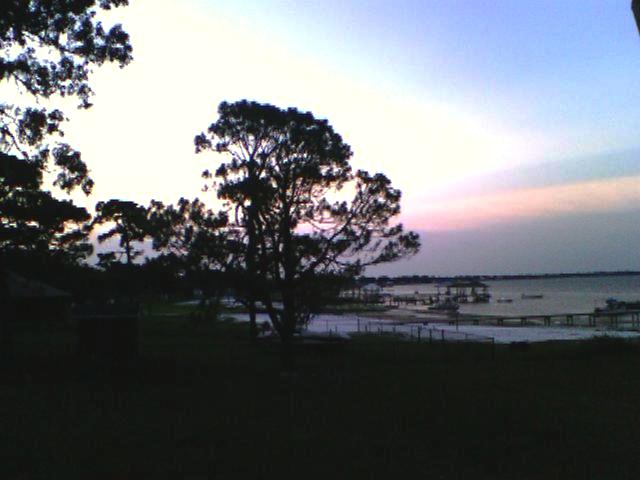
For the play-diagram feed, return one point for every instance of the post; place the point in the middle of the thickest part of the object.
(7, 323)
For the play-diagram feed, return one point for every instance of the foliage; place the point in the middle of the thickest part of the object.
(48, 49)
(189, 232)
(32, 219)
(130, 225)
(282, 166)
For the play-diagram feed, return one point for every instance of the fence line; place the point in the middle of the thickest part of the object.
(407, 331)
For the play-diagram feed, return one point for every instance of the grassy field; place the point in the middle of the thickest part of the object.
(200, 402)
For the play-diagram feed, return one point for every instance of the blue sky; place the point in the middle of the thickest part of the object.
(493, 118)
(550, 66)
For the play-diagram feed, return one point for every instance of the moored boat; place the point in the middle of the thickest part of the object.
(615, 305)
(447, 306)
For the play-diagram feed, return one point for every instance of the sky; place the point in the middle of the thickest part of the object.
(511, 126)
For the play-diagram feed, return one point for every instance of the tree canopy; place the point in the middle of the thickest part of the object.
(281, 170)
(48, 50)
(129, 223)
(33, 220)
(189, 231)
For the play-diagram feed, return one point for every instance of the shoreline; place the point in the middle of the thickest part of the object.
(427, 279)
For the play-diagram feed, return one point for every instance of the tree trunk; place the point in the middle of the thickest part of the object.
(287, 350)
(253, 327)
(287, 288)
(127, 248)
(252, 271)
(288, 315)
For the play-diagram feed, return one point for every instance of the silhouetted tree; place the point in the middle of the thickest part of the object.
(282, 167)
(130, 225)
(48, 49)
(165, 275)
(192, 243)
(189, 231)
(32, 220)
(250, 143)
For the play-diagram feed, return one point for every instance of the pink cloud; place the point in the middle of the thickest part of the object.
(463, 213)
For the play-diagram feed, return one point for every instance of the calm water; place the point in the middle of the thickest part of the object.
(561, 295)
(565, 295)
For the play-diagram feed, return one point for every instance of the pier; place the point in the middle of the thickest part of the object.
(620, 319)
(613, 319)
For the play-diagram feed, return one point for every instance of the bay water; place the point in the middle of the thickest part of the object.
(559, 295)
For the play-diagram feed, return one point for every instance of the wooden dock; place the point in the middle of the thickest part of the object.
(613, 319)
(625, 319)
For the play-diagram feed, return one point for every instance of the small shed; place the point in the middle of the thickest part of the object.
(26, 303)
(34, 300)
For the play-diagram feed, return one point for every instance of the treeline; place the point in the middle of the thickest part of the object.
(415, 279)
(278, 241)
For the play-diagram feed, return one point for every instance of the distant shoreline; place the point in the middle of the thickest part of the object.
(413, 279)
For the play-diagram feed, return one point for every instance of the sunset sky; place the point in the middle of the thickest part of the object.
(511, 127)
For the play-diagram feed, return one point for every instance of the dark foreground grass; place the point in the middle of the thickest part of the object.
(202, 403)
